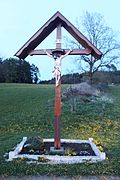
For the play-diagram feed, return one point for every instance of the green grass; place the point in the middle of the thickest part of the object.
(27, 110)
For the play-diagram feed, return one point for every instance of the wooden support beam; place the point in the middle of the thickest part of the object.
(58, 37)
(86, 51)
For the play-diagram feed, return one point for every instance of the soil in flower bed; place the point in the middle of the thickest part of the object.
(70, 149)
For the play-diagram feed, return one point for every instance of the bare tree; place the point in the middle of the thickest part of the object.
(93, 26)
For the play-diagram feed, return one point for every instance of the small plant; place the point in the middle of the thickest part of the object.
(74, 153)
(100, 148)
(98, 144)
(70, 152)
(67, 152)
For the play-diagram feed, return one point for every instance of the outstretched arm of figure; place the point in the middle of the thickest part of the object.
(48, 54)
(66, 54)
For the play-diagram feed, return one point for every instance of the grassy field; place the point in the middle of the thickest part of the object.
(27, 110)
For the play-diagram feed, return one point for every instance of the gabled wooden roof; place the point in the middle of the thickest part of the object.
(47, 28)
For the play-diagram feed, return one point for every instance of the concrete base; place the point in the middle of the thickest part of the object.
(52, 149)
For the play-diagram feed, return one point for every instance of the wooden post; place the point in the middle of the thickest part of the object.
(57, 106)
(57, 114)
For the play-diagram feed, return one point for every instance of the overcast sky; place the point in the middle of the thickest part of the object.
(20, 19)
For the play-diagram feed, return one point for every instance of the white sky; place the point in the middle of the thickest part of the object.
(20, 19)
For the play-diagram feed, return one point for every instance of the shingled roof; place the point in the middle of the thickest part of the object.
(47, 28)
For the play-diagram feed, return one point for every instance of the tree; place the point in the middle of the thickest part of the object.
(24, 72)
(35, 74)
(102, 36)
(15, 71)
(9, 70)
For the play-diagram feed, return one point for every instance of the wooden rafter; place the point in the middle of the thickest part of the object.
(57, 20)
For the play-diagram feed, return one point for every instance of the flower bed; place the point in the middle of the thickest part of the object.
(74, 151)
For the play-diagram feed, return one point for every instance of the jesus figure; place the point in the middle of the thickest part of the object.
(57, 68)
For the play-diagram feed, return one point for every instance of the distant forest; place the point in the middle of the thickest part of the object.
(18, 71)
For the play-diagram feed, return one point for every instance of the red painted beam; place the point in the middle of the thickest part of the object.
(57, 115)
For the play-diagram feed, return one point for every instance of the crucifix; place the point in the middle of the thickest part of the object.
(58, 54)
(57, 21)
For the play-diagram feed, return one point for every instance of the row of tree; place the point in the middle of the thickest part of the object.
(103, 77)
(13, 70)
(74, 78)
(20, 71)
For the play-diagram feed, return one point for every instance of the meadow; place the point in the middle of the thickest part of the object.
(28, 110)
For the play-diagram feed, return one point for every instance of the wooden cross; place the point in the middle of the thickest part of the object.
(57, 21)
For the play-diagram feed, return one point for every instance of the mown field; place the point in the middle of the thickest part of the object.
(27, 110)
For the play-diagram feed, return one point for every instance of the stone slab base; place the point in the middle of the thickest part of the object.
(52, 149)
